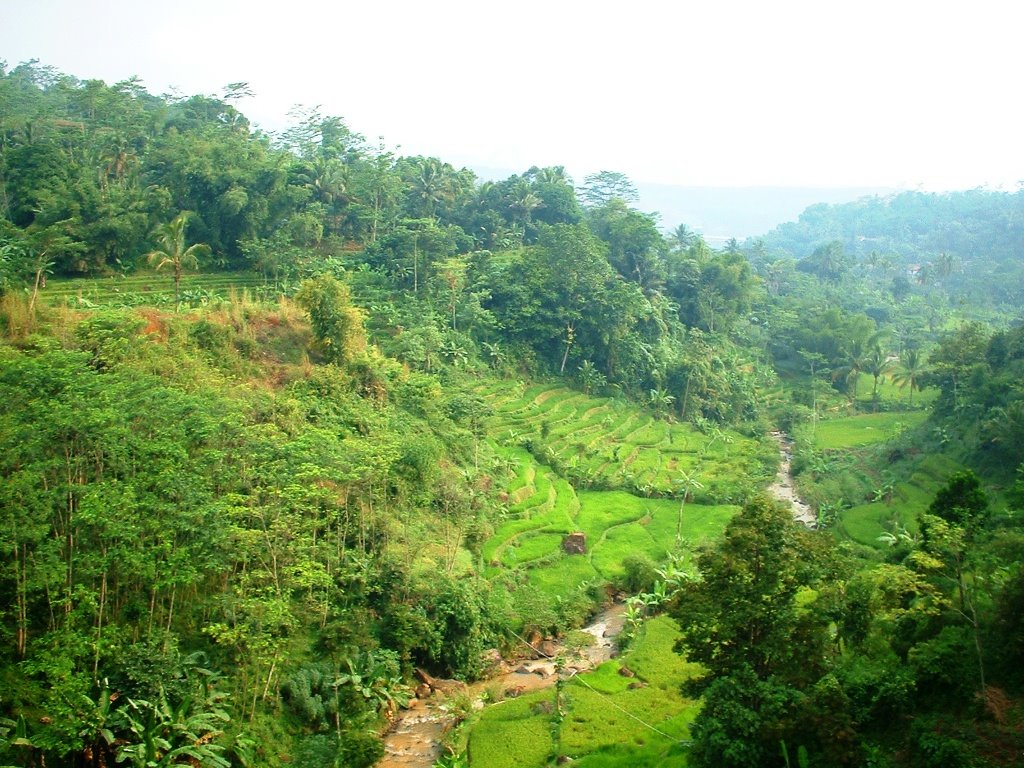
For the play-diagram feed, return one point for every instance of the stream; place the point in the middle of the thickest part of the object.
(414, 738)
(782, 489)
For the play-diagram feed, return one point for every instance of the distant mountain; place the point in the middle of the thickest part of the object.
(719, 213)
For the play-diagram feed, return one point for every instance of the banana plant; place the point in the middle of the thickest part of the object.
(164, 735)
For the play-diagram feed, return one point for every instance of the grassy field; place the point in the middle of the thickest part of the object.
(616, 524)
(609, 443)
(890, 393)
(836, 434)
(897, 510)
(594, 728)
(151, 288)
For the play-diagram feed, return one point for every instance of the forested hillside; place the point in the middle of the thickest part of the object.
(966, 244)
(298, 431)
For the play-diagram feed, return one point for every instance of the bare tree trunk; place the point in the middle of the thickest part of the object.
(35, 293)
(170, 608)
(21, 586)
(99, 626)
(570, 336)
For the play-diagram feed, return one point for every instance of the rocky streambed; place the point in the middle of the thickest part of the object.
(783, 490)
(414, 739)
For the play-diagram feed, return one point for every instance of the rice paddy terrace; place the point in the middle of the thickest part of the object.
(573, 462)
(150, 289)
(880, 505)
(610, 470)
(606, 443)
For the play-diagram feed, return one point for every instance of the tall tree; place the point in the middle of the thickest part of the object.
(337, 324)
(764, 649)
(877, 362)
(605, 186)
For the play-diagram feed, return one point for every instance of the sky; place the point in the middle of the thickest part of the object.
(825, 93)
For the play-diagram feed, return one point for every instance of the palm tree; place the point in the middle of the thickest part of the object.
(118, 160)
(683, 237)
(553, 174)
(944, 265)
(910, 371)
(432, 184)
(850, 373)
(877, 362)
(173, 252)
(687, 483)
(524, 203)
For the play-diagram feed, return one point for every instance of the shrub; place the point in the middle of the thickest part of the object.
(640, 574)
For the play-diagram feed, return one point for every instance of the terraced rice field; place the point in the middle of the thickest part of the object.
(598, 436)
(864, 523)
(862, 429)
(152, 288)
(608, 443)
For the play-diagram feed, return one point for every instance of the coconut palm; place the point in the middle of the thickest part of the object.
(944, 265)
(433, 184)
(683, 237)
(877, 362)
(686, 482)
(554, 174)
(173, 251)
(910, 371)
(523, 204)
(850, 372)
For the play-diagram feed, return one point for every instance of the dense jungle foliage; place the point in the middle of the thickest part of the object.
(288, 417)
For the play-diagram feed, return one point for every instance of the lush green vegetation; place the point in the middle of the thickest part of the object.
(861, 429)
(602, 718)
(289, 417)
(605, 442)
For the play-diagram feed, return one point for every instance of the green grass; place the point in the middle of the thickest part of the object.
(864, 523)
(603, 711)
(511, 735)
(118, 289)
(620, 542)
(599, 510)
(616, 523)
(888, 392)
(531, 546)
(862, 429)
(701, 523)
(561, 577)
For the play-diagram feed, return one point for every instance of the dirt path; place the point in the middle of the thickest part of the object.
(782, 489)
(414, 740)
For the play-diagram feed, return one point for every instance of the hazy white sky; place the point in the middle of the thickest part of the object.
(716, 92)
